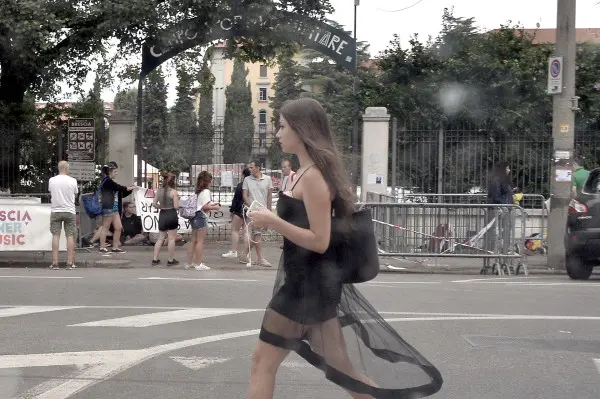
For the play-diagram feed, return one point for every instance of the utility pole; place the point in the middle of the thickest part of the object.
(561, 84)
(354, 141)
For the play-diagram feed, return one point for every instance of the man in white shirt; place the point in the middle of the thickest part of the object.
(63, 189)
(256, 187)
(288, 175)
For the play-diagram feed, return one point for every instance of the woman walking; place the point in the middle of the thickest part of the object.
(310, 302)
(112, 203)
(237, 217)
(167, 200)
(200, 222)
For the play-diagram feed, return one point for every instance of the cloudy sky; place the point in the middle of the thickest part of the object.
(379, 20)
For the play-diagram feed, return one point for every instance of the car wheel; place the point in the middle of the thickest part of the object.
(577, 269)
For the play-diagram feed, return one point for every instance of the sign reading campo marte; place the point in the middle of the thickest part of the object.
(271, 24)
(82, 139)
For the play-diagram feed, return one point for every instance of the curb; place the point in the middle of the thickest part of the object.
(129, 264)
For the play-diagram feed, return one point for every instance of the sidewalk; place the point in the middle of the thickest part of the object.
(140, 257)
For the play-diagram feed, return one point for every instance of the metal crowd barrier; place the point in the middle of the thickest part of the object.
(493, 233)
(534, 205)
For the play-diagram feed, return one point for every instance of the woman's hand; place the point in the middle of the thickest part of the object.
(261, 217)
(132, 188)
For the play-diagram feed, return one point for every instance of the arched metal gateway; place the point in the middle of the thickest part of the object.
(249, 21)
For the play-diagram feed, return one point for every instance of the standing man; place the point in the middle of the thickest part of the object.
(257, 187)
(64, 198)
(288, 174)
(580, 175)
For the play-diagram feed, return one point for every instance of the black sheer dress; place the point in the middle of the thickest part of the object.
(334, 328)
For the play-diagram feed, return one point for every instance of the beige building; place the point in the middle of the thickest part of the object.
(261, 78)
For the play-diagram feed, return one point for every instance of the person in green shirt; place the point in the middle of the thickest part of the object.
(580, 175)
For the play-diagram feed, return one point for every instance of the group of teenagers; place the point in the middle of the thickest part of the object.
(323, 319)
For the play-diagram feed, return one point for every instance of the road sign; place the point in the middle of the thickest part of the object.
(82, 171)
(555, 73)
(82, 139)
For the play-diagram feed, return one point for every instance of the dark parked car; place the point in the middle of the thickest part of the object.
(582, 235)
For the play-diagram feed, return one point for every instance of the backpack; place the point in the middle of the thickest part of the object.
(188, 207)
(93, 203)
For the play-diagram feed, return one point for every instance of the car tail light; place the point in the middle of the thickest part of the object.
(577, 207)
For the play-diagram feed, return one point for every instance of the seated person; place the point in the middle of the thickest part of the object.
(133, 233)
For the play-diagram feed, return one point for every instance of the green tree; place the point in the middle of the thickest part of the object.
(177, 151)
(238, 124)
(205, 143)
(286, 87)
(155, 116)
(44, 43)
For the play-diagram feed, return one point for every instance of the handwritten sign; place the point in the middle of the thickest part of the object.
(149, 214)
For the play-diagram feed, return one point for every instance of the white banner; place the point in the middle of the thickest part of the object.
(26, 227)
(149, 215)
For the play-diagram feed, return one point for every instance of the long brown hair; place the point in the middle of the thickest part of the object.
(203, 181)
(168, 180)
(308, 119)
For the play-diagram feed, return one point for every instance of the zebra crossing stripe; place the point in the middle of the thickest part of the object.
(24, 310)
(597, 362)
(160, 318)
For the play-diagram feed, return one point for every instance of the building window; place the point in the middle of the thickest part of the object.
(262, 94)
(262, 140)
(263, 71)
(262, 117)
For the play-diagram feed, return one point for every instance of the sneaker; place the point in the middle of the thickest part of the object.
(244, 260)
(71, 267)
(172, 262)
(155, 262)
(104, 251)
(264, 263)
(230, 254)
(118, 251)
(189, 266)
(202, 266)
(53, 267)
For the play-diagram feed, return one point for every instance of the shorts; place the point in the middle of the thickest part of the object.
(60, 219)
(168, 219)
(108, 212)
(259, 230)
(199, 221)
(238, 214)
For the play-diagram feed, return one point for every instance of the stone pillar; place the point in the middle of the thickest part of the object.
(121, 146)
(374, 156)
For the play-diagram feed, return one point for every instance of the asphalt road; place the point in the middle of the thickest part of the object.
(143, 333)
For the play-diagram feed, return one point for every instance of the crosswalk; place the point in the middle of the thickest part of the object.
(147, 317)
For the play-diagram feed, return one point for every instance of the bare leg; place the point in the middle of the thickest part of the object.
(55, 242)
(236, 224)
(258, 245)
(116, 221)
(171, 243)
(199, 249)
(70, 249)
(265, 363)
(159, 243)
(106, 221)
(192, 247)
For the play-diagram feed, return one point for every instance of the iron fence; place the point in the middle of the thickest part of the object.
(456, 159)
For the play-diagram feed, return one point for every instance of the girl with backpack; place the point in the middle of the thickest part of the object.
(167, 201)
(199, 222)
(112, 203)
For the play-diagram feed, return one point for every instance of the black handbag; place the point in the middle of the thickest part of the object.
(356, 247)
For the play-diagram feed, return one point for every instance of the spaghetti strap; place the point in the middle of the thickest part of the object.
(300, 177)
